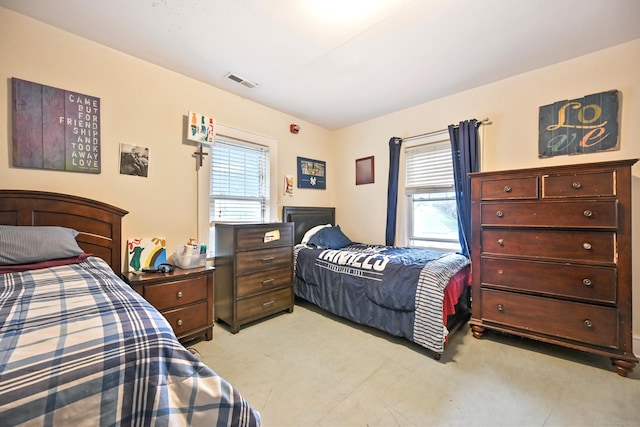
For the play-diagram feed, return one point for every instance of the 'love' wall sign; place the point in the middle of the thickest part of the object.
(580, 126)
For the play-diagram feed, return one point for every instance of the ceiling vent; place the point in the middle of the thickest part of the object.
(242, 81)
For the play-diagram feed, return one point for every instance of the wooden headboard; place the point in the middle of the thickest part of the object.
(99, 224)
(305, 218)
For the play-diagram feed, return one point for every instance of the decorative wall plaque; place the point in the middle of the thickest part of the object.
(54, 128)
(579, 126)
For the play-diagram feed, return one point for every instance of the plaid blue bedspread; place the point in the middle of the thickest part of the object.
(80, 347)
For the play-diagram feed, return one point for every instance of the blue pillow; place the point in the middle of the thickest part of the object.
(27, 244)
(329, 238)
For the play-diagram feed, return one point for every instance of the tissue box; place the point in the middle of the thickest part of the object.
(189, 256)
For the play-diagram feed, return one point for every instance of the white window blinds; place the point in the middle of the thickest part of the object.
(429, 168)
(239, 182)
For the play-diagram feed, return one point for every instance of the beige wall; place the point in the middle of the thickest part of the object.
(141, 104)
(509, 142)
(144, 104)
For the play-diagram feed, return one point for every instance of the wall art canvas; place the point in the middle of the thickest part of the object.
(201, 129)
(54, 129)
(312, 173)
(145, 252)
(579, 126)
(134, 160)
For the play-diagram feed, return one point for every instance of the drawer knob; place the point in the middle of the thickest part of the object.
(587, 246)
(588, 213)
(500, 307)
(499, 214)
(507, 189)
(576, 185)
(588, 323)
(587, 282)
(179, 294)
(179, 322)
(501, 242)
(500, 272)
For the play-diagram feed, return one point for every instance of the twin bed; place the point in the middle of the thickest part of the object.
(77, 345)
(417, 294)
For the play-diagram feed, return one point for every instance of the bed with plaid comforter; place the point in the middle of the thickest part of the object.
(80, 347)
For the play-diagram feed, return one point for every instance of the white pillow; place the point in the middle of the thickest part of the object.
(309, 234)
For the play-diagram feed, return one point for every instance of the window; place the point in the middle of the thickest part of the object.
(433, 217)
(239, 182)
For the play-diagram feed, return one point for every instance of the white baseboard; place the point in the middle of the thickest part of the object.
(636, 345)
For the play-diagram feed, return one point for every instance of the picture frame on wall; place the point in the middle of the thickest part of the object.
(312, 173)
(365, 173)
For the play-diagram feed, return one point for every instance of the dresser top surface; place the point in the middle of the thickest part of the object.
(560, 168)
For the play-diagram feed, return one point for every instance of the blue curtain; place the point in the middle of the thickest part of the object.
(466, 158)
(392, 191)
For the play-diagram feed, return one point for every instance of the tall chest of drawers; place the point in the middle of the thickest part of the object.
(254, 271)
(551, 256)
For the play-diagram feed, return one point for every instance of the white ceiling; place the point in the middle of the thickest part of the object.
(335, 70)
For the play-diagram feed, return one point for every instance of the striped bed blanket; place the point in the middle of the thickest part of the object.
(80, 347)
(399, 290)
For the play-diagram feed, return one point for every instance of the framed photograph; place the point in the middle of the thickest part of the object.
(364, 170)
(134, 160)
(312, 173)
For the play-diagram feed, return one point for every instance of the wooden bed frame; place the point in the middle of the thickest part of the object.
(306, 218)
(99, 224)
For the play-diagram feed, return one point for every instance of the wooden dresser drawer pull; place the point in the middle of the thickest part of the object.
(587, 246)
(501, 242)
(588, 213)
(507, 189)
(499, 214)
(266, 304)
(587, 282)
(500, 271)
(269, 259)
(267, 281)
(576, 185)
(500, 307)
(588, 323)
(179, 294)
(179, 322)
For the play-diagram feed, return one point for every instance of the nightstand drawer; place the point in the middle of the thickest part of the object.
(576, 214)
(264, 304)
(598, 284)
(258, 237)
(510, 188)
(252, 261)
(261, 281)
(586, 246)
(173, 294)
(583, 184)
(187, 318)
(565, 319)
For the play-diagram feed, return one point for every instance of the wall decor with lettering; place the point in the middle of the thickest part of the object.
(312, 173)
(580, 126)
(54, 129)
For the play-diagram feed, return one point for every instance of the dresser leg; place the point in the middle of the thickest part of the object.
(477, 331)
(623, 367)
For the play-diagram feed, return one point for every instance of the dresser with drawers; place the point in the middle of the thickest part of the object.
(184, 297)
(254, 271)
(551, 256)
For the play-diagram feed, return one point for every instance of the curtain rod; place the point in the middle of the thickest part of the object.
(484, 121)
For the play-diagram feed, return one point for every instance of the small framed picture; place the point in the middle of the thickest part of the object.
(365, 171)
(312, 174)
(134, 160)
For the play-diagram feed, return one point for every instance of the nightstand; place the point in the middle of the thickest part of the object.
(184, 297)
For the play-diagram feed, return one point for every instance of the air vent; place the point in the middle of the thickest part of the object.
(238, 79)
